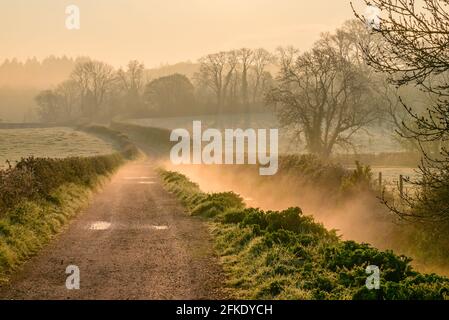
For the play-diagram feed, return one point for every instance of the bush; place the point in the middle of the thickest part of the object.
(39, 195)
(312, 169)
(127, 149)
(234, 215)
(359, 179)
(216, 204)
(36, 178)
(287, 255)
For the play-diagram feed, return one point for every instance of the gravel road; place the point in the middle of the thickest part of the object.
(134, 241)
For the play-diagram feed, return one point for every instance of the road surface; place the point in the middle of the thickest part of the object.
(134, 241)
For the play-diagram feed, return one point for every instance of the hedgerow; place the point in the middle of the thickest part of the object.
(39, 195)
(287, 255)
(156, 139)
(36, 178)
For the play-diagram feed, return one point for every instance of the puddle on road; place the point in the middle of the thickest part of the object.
(100, 225)
(103, 225)
(158, 227)
(141, 178)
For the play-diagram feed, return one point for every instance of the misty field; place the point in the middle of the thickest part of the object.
(58, 142)
(372, 140)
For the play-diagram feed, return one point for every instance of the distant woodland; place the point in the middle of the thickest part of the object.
(21, 82)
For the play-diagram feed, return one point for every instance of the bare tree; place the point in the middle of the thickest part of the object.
(132, 80)
(412, 49)
(324, 94)
(131, 84)
(246, 59)
(94, 79)
(48, 106)
(262, 59)
(170, 95)
(412, 41)
(68, 94)
(216, 71)
(233, 98)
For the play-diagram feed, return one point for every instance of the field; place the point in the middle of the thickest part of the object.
(58, 142)
(39, 196)
(375, 140)
(390, 176)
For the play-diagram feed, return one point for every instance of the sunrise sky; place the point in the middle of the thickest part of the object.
(163, 31)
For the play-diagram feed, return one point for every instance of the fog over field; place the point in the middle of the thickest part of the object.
(49, 142)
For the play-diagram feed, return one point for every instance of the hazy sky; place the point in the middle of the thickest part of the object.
(162, 31)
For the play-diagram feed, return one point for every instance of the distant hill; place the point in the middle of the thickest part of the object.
(21, 81)
(36, 74)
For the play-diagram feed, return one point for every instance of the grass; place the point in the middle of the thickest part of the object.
(375, 139)
(27, 227)
(286, 255)
(155, 140)
(40, 195)
(306, 173)
(49, 142)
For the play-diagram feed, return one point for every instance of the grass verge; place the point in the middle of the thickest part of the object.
(287, 255)
(39, 196)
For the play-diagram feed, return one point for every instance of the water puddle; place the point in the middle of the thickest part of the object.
(100, 225)
(103, 225)
(158, 227)
(137, 178)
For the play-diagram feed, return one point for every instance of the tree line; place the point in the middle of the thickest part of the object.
(33, 73)
(323, 96)
(233, 81)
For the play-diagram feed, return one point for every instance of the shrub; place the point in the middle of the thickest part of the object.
(216, 203)
(360, 178)
(312, 169)
(285, 254)
(39, 195)
(36, 178)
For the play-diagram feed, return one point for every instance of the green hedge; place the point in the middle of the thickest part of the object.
(36, 178)
(127, 149)
(287, 255)
(156, 139)
(39, 195)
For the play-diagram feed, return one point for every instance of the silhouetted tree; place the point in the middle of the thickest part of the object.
(245, 59)
(49, 106)
(413, 49)
(216, 72)
(170, 95)
(324, 94)
(69, 101)
(94, 80)
(131, 84)
(259, 75)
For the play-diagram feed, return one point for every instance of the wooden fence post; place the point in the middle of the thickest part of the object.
(380, 180)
